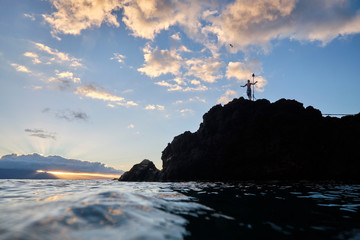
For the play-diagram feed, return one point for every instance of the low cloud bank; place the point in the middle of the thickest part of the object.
(35, 162)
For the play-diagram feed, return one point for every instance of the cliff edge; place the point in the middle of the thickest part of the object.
(246, 140)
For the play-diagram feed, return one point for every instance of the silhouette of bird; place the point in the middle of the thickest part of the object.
(231, 45)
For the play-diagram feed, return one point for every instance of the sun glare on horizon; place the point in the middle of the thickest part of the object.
(80, 175)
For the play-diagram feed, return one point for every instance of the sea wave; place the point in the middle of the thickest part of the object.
(91, 209)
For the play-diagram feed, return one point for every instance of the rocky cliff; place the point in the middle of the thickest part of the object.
(246, 140)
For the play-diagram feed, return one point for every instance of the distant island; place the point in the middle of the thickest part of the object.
(258, 140)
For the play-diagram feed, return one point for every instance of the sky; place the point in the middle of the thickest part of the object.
(114, 81)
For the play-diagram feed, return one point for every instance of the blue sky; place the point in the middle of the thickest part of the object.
(114, 81)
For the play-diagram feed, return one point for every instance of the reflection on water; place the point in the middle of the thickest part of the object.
(96, 209)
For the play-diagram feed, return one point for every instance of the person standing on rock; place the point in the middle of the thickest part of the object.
(248, 90)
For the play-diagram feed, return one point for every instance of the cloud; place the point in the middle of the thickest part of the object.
(30, 16)
(155, 107)
(177, 87)
(118, 57)
(227, 97)
(238, 70)
(195, 82)
(41, 133)
(94, 92)
(20, 68)
(242, 23)
(146, 18)
(91, 91)
(67, 114)
(127, 104)
(127, 91)
(67, 75)
(131, 126)
(159, 62)
(60, 84)
(176, 36)
(204, 69)
(242, 72)
(70, 115)
(73, 16)
(197, 99)
(58, 56)
(245, 23)
(193, 99)
(34, 56)
(186, 111)
(53, 163)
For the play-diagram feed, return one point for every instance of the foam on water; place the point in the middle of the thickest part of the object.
(90, 209)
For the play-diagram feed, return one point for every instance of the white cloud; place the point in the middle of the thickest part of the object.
(197, 99)
(245, 23)
(238, 70)
(160, 107)
(242, 23)
(159, 62)
(30, 16)
(176, 36)
(155, 107)
(34, 56)
(73, 16)
(199, 88)
(242, 72)
(183, 48)
(20, 68)
(92, 91)
(204, 69)
(150, 107)
(127, 104)
(131, 126)
(186, 111)
(227, 97)
(67, 75)
(118, 57)
(146, 18)
(127, 91)
(195, 82)
(208, 13)
(58, 56)
(181, 86)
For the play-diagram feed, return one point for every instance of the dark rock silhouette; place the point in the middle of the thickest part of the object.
(246, 140)
(144, 171)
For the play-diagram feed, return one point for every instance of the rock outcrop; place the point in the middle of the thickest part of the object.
(144, 171)
(246, 140)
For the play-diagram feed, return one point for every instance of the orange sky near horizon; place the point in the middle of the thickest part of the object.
(80, 175)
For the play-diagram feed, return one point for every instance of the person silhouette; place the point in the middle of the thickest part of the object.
(248, 90)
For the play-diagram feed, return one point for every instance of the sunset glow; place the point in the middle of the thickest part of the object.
(80, 175)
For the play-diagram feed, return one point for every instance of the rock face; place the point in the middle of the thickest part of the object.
(144, 171)
(246, 140)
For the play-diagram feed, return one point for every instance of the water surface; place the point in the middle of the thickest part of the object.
(99, 209)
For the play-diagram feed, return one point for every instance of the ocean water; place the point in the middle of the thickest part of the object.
(106, 209)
